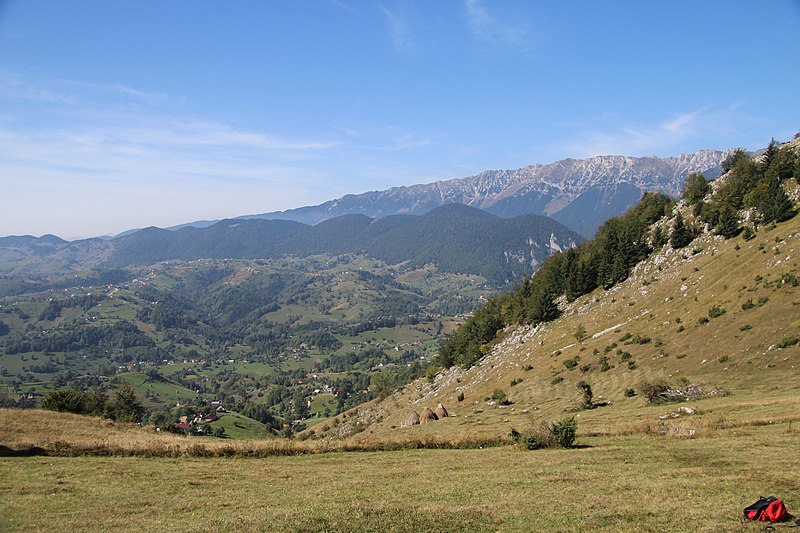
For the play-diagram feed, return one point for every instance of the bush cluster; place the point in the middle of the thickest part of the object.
(556, 435)
(653, 390)
(121, 405)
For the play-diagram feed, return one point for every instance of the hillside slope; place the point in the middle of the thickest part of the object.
(723, 315)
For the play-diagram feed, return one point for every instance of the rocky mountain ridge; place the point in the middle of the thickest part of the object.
(603, 186)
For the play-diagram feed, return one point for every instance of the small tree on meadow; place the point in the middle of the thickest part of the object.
(586, 389)
(728, 224)
(123, 405)
(580, 333)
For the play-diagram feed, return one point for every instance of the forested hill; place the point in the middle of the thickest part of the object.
(751, 194)
(456, 238)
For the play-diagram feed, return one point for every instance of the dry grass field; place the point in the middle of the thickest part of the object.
(621, 483)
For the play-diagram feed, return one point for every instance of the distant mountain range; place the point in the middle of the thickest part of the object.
(456, 238)
(579, 193)
(499, 223)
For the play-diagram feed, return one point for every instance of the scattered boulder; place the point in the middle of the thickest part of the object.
(683, 410)
(428, 416)
(413, 420)
(441, 412)
(681, 432)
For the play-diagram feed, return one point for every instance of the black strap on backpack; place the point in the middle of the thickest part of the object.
(754, 511)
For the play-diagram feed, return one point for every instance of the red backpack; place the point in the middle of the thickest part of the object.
(766, 510)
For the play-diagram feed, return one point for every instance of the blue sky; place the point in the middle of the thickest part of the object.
(116, 115)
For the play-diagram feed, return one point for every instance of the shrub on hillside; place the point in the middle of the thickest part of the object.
(586, 391)
(789, 340)
(716, 311)
(564, 432)
(652, 390)
(123, 405)
(500, 397)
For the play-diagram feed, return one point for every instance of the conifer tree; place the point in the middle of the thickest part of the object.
(777, 206)
(659, 238)
(728, 225)
(681, 235)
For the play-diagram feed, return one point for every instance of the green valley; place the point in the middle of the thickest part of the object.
(248, 333)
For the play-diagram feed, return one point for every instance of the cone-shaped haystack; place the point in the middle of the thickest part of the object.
(441, 412)
(413, 420)
(428, 416)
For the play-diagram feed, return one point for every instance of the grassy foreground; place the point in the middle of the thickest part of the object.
(609, 483)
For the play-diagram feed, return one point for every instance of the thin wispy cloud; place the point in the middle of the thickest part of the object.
(400, 29)
(492, 28)
(672, 135)
(344, 6)
(387, 139)
(91, 145)
(13, 87)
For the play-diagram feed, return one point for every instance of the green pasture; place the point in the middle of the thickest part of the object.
(615, 484)
(240, 427)
(166, 393)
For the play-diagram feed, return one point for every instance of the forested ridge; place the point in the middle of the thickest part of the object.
(752, 192)
(456, 238)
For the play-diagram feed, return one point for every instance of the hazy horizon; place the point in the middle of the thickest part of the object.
(116, 116)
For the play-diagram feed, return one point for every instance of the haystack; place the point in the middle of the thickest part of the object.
(428, 416)
(441, 412)
(413, 420)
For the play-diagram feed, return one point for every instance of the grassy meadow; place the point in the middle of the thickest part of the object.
(93, 474)
(624, 483)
